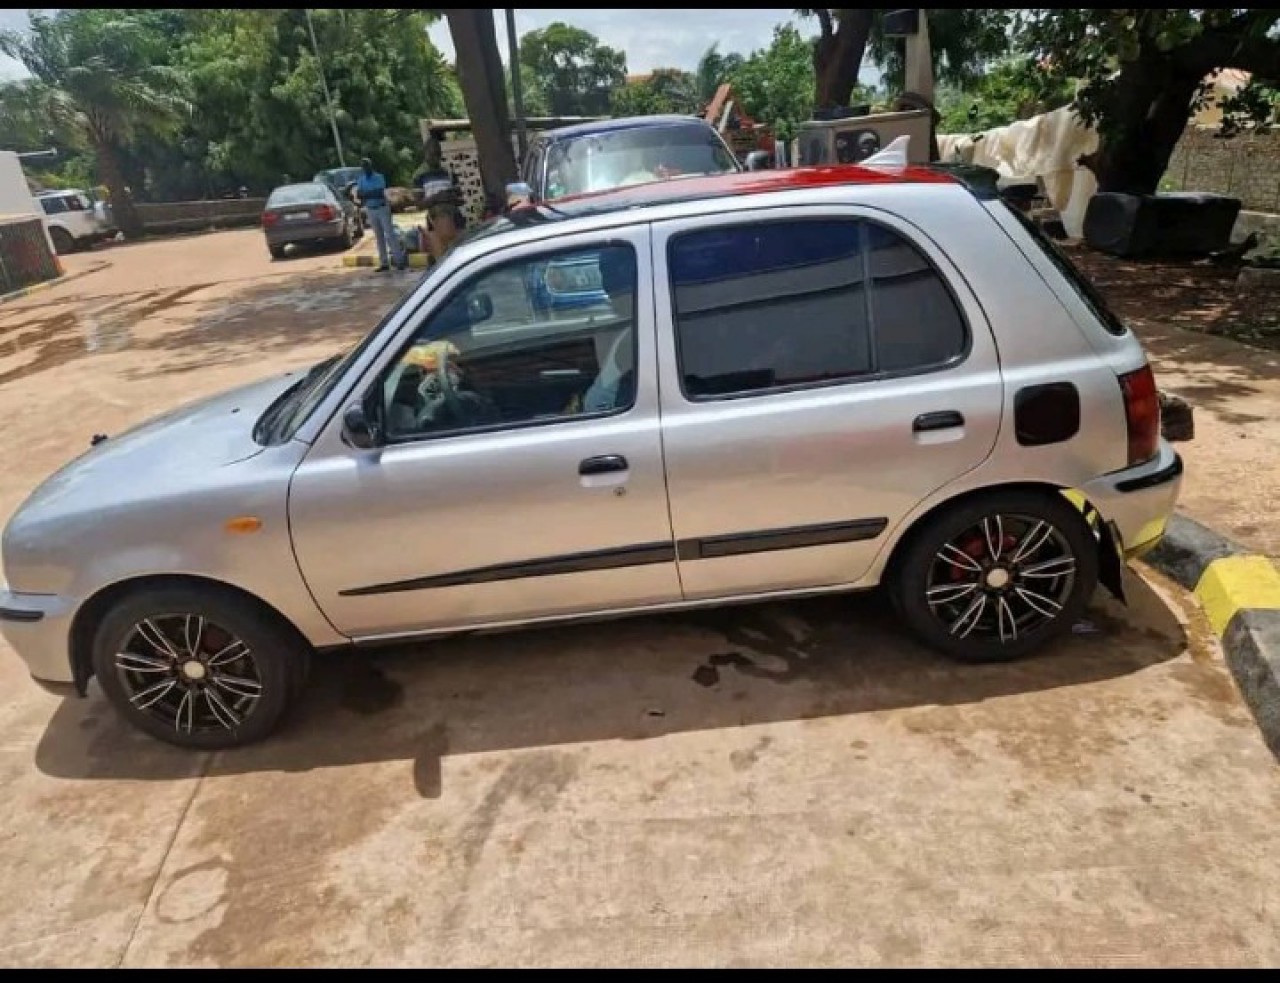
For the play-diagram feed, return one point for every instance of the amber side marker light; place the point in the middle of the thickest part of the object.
(243, 523)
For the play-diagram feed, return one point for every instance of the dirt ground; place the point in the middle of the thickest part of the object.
(790, 785)
(1187, 315)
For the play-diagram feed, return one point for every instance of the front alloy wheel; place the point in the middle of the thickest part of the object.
(994, 579)
(198, 667)
(189, 674)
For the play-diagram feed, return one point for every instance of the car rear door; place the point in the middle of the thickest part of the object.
(824, 369)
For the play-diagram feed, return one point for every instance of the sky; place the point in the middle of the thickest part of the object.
(650, 38)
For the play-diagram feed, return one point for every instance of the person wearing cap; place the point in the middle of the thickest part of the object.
(371, 186)
(445, 220)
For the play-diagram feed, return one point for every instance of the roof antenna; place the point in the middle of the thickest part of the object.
(892, 157)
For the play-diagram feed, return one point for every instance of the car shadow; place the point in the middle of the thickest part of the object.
(626, 680)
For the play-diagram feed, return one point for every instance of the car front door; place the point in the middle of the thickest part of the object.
(823, 373)
(521, 475)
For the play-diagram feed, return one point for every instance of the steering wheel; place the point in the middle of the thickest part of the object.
(443, 394)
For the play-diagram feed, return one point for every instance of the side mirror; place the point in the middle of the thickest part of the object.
(479, 308)
(759, 160)
(357, 430)
(519, 193)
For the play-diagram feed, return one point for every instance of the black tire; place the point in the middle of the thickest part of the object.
(1055, 602)
(277, 252)
(359, 227)
(348, 238)
(63, 241)
(275, 662)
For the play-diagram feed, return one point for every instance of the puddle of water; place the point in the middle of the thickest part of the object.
(58, 338)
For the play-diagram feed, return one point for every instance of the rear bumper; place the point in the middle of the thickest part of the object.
(304, 232)
(1138, 502)
(38, 627)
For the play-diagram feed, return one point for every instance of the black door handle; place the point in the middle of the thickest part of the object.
(603, 465)
(942, 420)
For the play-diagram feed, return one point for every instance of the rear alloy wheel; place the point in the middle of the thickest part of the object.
(200, 670)
(998, 577)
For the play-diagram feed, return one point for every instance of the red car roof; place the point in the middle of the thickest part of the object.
(746, 183)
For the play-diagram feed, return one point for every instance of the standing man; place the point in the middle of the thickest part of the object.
(372, 189)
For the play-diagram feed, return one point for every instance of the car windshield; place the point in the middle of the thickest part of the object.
(297, 194)
(291, 408)
(602, 161)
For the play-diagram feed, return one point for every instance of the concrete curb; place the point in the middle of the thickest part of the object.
(35, 288)
(1240, 594)
(57, 281)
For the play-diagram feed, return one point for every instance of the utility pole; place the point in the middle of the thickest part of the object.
(324, 83)
(517, 89)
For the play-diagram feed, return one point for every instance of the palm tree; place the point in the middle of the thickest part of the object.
(96, 71)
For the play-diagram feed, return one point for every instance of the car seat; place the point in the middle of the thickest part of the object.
(614, 385)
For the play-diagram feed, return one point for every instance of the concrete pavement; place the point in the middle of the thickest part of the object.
(792, 785)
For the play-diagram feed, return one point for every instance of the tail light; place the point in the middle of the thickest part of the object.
(1142, 414)
(269, 219)
(324, 213)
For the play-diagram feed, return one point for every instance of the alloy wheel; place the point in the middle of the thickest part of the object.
(1002, 579)
(189, 673)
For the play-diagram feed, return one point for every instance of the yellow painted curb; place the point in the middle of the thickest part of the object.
(35, 288)
(1237, 583)
(417, 261)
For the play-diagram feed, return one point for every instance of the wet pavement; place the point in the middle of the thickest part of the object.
(773, 786)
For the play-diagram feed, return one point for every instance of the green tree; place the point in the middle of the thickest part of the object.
(776, 84)
(1015, 88)
(100, 73)
(572, 70)
(666, 90)
(714, 69)
(1144, 71)
(261, 111)
(963, 42)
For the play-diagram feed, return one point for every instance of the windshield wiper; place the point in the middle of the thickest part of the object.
(264, 429)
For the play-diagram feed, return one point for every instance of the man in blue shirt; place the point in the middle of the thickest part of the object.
(372, 189)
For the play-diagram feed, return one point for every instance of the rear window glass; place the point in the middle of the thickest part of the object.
(298, 194)
(1087, 292)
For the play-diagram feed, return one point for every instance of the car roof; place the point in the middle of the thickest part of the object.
(980, 182)
(741, 183)
(616, 125)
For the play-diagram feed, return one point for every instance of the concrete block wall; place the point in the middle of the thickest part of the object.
(1245, 167)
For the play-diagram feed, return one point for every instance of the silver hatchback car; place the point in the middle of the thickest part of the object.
(793, 382)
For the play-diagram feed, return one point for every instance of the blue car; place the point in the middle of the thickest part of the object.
(565, 285)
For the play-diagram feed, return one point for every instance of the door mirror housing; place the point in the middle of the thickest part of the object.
(358, 429)
(759, 160)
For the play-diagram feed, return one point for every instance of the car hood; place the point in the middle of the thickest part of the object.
(167, 453)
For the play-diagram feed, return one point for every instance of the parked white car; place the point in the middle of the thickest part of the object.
(75, 219)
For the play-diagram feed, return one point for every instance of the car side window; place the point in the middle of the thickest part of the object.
(787, 304)
(53, 206)
(536, 340)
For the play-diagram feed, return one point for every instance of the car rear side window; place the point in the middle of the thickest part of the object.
(1087, 292)
(781, 305)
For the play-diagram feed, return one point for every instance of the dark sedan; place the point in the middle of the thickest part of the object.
(309, 214)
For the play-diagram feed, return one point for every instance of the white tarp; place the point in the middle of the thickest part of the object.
(1046, 147)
